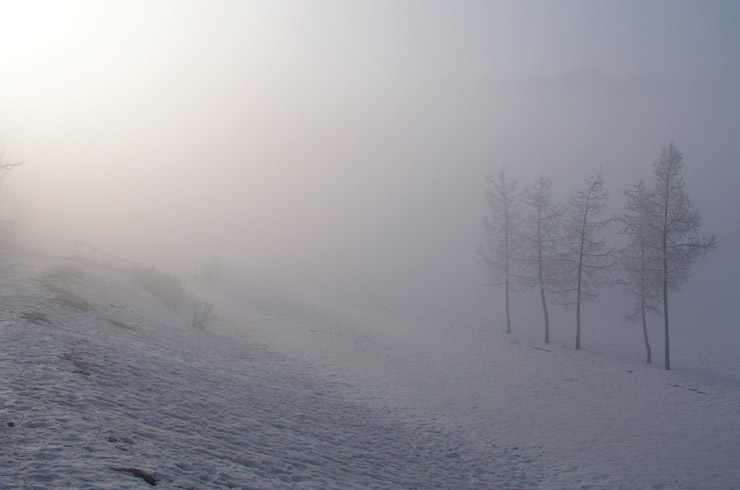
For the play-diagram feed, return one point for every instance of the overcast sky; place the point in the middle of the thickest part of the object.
(345, 142)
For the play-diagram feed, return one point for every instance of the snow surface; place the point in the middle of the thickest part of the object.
(325, 393)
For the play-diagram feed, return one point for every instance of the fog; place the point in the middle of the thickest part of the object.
(342, 146)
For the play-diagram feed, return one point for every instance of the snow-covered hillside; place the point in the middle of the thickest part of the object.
(102, 386)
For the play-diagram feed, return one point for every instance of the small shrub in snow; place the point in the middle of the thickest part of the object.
(166, 287)
(202, 314)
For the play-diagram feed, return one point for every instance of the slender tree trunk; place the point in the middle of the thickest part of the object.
(578, 321)
(645, 334)
(665, 316)
(665, 278)
(508, 314)
(542, 297)
(578, 306)
(643, 305)
(580, 276)
(547, 317)
(507, 271)
(542, 279)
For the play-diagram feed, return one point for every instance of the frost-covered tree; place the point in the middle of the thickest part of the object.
(677, 225)
(500, 231)
(5, 168)
(640, 258)
(538, 255)
(585, 261)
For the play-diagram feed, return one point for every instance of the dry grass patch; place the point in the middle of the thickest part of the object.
(81, 367)
(68, 298)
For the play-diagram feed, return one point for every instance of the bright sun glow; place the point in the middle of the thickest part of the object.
(30, 28)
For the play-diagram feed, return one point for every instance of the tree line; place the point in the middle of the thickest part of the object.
(532, 241)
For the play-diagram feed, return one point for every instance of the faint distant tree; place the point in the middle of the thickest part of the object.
(500, 232)
(5, 168)
(538, 255)
(677, 224)
(640, 258)
(585, 262)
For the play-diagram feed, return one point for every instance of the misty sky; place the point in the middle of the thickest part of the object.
(345, 142)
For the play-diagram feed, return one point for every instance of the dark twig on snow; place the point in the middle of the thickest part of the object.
(147, 477)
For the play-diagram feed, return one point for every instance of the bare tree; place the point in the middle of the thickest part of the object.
(500, 228)
(640, 258)
(5, 168)
(585, 261)
(677, 224)
(539, 232)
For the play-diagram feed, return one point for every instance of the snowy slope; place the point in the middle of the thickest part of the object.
(584, 417)
(128, 384)
(96, 374)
